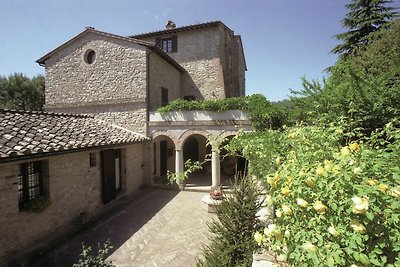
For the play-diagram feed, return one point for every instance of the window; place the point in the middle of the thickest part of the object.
(164, 96)
(166, 45)
(31, 182)
(92, 157)
(90, 56)
(169, 44)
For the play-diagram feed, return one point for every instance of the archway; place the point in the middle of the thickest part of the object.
(194, 148)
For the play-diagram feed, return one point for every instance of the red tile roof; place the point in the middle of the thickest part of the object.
(26, 134)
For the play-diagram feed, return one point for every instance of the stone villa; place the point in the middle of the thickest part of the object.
(100, 137)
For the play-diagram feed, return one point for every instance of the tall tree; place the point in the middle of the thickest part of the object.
(22, 93)
(364, 18)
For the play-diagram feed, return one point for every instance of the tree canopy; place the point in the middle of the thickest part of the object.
(363, 88)
(364, 17)
(22, 93)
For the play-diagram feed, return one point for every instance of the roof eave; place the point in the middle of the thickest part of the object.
(181, 29)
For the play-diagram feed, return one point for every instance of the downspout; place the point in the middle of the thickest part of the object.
(148, 92)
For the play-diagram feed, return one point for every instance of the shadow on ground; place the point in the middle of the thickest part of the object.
(117, 227)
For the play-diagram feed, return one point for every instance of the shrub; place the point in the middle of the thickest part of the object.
(336, 199)
(232, 243)
(88, 260)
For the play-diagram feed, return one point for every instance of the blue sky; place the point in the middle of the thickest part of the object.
(283, 39)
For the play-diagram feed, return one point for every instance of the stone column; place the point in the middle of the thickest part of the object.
(215, 166)
(178, 161)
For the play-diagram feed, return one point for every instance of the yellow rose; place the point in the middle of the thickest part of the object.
(272, 182)
(277, 176)
(361, 205)
(357, 226)
(371, 182)
(310, 247)
(357, 170)
(319, 207)
(395, 192)
(301, 202)
(260, 238)
(354, 147)
(287, 210)
(285, 191)
(320, 171)
(310, 181)
(345, 151)
(278, 235)
(333, 231)
(268, 231)
(383, 187)
(339, 131)
(278, 213)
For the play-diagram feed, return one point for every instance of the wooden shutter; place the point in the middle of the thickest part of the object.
(174, 43)
(158, 42)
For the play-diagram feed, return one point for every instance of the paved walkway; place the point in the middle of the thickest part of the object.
(160, 228)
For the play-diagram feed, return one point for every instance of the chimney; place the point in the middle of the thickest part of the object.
(170, 25)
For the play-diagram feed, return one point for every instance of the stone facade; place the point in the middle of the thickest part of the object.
(212, 56)
(162, 75)
(113, 87)
(74, 190)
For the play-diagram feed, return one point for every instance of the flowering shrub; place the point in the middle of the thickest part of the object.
(337, 202)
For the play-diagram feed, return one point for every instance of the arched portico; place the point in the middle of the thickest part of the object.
(194, 128)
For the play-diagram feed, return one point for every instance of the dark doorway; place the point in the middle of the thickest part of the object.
(191, 149)
(163, 157)
(110, 173)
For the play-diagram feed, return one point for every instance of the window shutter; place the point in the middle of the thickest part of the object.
(174, 43)
(158, 42)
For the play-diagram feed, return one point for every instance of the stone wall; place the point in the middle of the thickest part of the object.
(113, 86)
(199, 53)
(74, 189)
(162, 74)
(208, 55)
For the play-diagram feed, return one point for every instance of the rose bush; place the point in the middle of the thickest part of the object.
(336, 199)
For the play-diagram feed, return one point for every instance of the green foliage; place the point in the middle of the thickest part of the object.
(364, 88)
(88, 260)
(337, 202)
(21, 93)
(232, 242)
(263, 115)
(364, 17)
(190, 167)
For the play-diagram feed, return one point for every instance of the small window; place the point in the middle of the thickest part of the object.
(92, 159)
(169, 44)
(31, 183)
(166, 45)
(90, 56)
(164, 96)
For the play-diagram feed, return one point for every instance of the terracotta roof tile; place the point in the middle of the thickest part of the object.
(30, 132)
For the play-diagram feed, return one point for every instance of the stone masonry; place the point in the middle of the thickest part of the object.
(74, 191)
